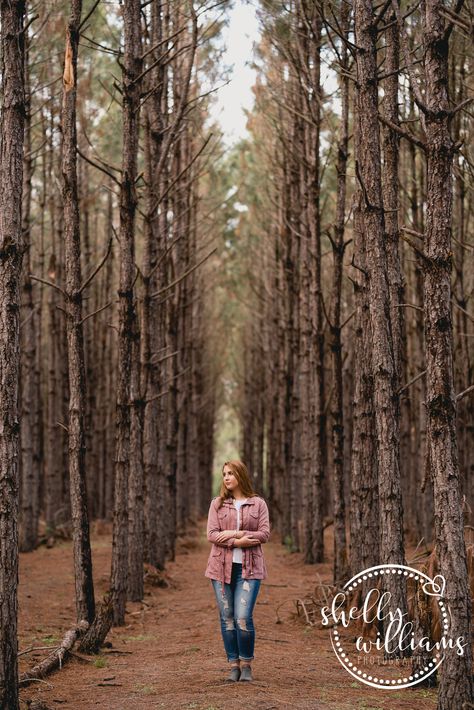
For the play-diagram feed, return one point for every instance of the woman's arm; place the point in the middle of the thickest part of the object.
(246, 541)
(213, 527)
(263, 532)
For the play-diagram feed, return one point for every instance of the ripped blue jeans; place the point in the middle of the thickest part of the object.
(235, 613)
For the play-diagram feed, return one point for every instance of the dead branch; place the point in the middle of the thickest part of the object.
(186, 273)
(98, 268)
(412, 382)
(57, 657)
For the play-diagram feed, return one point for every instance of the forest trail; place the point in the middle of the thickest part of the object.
(174, 653)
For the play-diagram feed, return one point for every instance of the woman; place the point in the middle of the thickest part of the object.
(237, 525)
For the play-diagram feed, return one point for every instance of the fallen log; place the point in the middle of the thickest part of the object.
(57, 657)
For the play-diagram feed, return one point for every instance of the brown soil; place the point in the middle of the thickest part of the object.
(174, 653)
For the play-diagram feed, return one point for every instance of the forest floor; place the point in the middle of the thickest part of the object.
(171, 648)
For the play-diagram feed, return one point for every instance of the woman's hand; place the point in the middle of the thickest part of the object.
(246, 541)
(226, 535)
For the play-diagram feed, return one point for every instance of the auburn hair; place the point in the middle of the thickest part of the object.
(240, 471)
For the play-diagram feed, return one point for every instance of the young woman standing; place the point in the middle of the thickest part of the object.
(237, 525)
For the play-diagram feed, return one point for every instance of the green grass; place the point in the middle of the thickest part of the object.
(288, 542)
(425, 693)
(49, 640)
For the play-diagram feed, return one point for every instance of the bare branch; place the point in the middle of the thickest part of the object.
(412, 382)
(463, 394)
(401, 132)
(180, 278)
(48, 283)
(99, 167)
(95, 312)
(89, 14)
(98, 268)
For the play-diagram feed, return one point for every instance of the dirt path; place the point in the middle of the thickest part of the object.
(175, 656)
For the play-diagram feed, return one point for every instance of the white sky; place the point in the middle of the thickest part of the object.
(238, 38)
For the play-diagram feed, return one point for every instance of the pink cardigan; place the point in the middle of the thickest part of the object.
(254, 521)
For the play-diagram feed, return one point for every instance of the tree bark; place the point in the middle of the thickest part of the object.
(85, 603)
(132, 67)
(30, 468)
(338, 247)
(368, 169)
(11, 177)
(152, 335)
(456, 687)
(364, 509)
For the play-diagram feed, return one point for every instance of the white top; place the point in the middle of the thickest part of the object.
(237, 551)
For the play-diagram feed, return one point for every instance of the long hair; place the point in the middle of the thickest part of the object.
(240, 471)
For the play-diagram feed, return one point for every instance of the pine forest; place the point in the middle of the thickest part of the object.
(299, 298)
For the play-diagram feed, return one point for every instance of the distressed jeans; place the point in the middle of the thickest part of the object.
(235, 613)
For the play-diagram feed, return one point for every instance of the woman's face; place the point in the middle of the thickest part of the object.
(230, 481)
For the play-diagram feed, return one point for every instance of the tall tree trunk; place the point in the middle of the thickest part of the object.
(364, 525)
(135, 589)
(106, 410)
(337, 410)
(85, 604)
(127, 316)
(292, 402)
(368, 168)
(319, 480)
(152, 335)
(11, 177)
(53, 459)
(456, 686)
(30, 473)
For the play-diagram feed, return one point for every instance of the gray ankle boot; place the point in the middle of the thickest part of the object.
(246, 673)
(234, 674)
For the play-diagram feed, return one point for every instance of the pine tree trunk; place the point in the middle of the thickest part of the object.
(30, 473)
(154, 269)
(456, 685)
(107, 387)
(318, 478)
(11, 244)
(341, 570)
(127, 316)
(385, 375)
(53, 459)
(365, 540)
(136, 530)
(85, 603)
